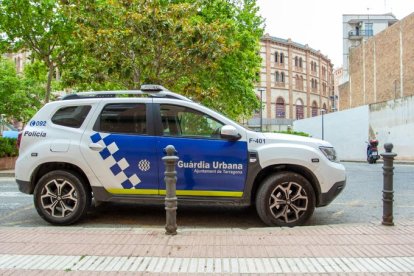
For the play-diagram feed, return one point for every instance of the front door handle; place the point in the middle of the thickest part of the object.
(96, 146)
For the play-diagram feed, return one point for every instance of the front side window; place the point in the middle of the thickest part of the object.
(71, 116)
(129, 118)
(180, 121)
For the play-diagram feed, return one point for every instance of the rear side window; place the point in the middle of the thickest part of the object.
(127, 118)
(71, 116)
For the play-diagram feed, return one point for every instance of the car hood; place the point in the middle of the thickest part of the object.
(289, 138)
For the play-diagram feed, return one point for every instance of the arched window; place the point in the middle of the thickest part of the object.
(276, 56)
(296, 61)
(299, 109)
(301, 82)
(324, 88)
(282, 77)
(314, 109)
(282, 57)
(277, 76)
(297, 82)
(280, 108)
(300, 62)
(313, 66)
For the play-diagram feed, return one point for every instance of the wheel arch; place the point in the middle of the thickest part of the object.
(301, 170)
(44, 168)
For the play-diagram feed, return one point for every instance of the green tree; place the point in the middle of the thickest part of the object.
(40, 27)
(10, 87)
(20, 96)
(34, 80)
(237, 70)
(207, 50)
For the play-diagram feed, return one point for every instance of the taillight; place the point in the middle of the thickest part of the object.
(19, 139)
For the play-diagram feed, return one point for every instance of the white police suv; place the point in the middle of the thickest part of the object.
(109, 147)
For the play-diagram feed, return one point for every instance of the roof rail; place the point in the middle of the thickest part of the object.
(151, 90)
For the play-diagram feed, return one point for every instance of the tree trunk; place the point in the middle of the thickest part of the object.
(49, 81)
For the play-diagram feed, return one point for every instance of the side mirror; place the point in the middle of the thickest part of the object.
(230, 133)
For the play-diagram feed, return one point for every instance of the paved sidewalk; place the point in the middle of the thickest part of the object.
(332, 249)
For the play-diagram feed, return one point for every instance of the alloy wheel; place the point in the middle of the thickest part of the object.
(59, 198)
(288, 202)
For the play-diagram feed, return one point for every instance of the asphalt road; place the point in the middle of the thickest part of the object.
(360, 202)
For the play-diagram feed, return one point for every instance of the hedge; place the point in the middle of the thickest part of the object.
(8, 147)
(294, 133)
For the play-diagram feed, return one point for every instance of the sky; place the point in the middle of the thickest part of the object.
(318, 23)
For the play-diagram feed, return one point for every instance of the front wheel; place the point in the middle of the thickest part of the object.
(285, 199)
(61, 198)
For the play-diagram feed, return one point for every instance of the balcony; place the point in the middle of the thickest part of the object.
(359, 34)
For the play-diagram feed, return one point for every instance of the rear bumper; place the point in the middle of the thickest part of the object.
(327, 197)
(25, 186)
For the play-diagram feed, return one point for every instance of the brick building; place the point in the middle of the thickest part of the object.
(296, 82)
(381, 68)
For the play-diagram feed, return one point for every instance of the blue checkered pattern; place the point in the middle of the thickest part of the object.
(117, 164)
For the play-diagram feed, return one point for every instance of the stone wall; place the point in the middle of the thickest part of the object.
(389, 122)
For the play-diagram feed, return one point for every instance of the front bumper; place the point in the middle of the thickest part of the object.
(327, 197)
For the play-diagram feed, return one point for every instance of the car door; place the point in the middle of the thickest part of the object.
(209, 166)
(121, 150)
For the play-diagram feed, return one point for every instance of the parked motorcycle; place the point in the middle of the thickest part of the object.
(372, 151)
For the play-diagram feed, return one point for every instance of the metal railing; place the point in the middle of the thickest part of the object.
(360, 33)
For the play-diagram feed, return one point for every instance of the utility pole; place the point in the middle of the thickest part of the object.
(261, 108)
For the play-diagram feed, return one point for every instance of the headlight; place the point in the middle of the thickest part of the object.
(329, 152)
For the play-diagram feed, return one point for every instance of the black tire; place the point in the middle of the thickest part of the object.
(61, 198)
(291, 211)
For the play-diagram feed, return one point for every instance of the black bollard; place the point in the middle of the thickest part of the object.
(170, 179)
(388, 190)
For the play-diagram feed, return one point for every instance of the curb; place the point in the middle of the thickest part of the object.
(7, 174)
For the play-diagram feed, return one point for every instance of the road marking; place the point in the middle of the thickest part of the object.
(12, 214)
(208, 265)
(14, 194)
(7, 179)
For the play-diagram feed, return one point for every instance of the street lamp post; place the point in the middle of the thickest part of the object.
(261, 108)
(323, 112)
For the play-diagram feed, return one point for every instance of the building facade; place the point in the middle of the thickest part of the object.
(381, 68)
(20, 59)
(357, 28)
(296, 82)
(338, 73)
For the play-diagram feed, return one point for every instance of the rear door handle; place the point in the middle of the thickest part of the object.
(96, 146)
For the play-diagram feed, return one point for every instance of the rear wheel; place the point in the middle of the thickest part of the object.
(285, 199)
(61, 198)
